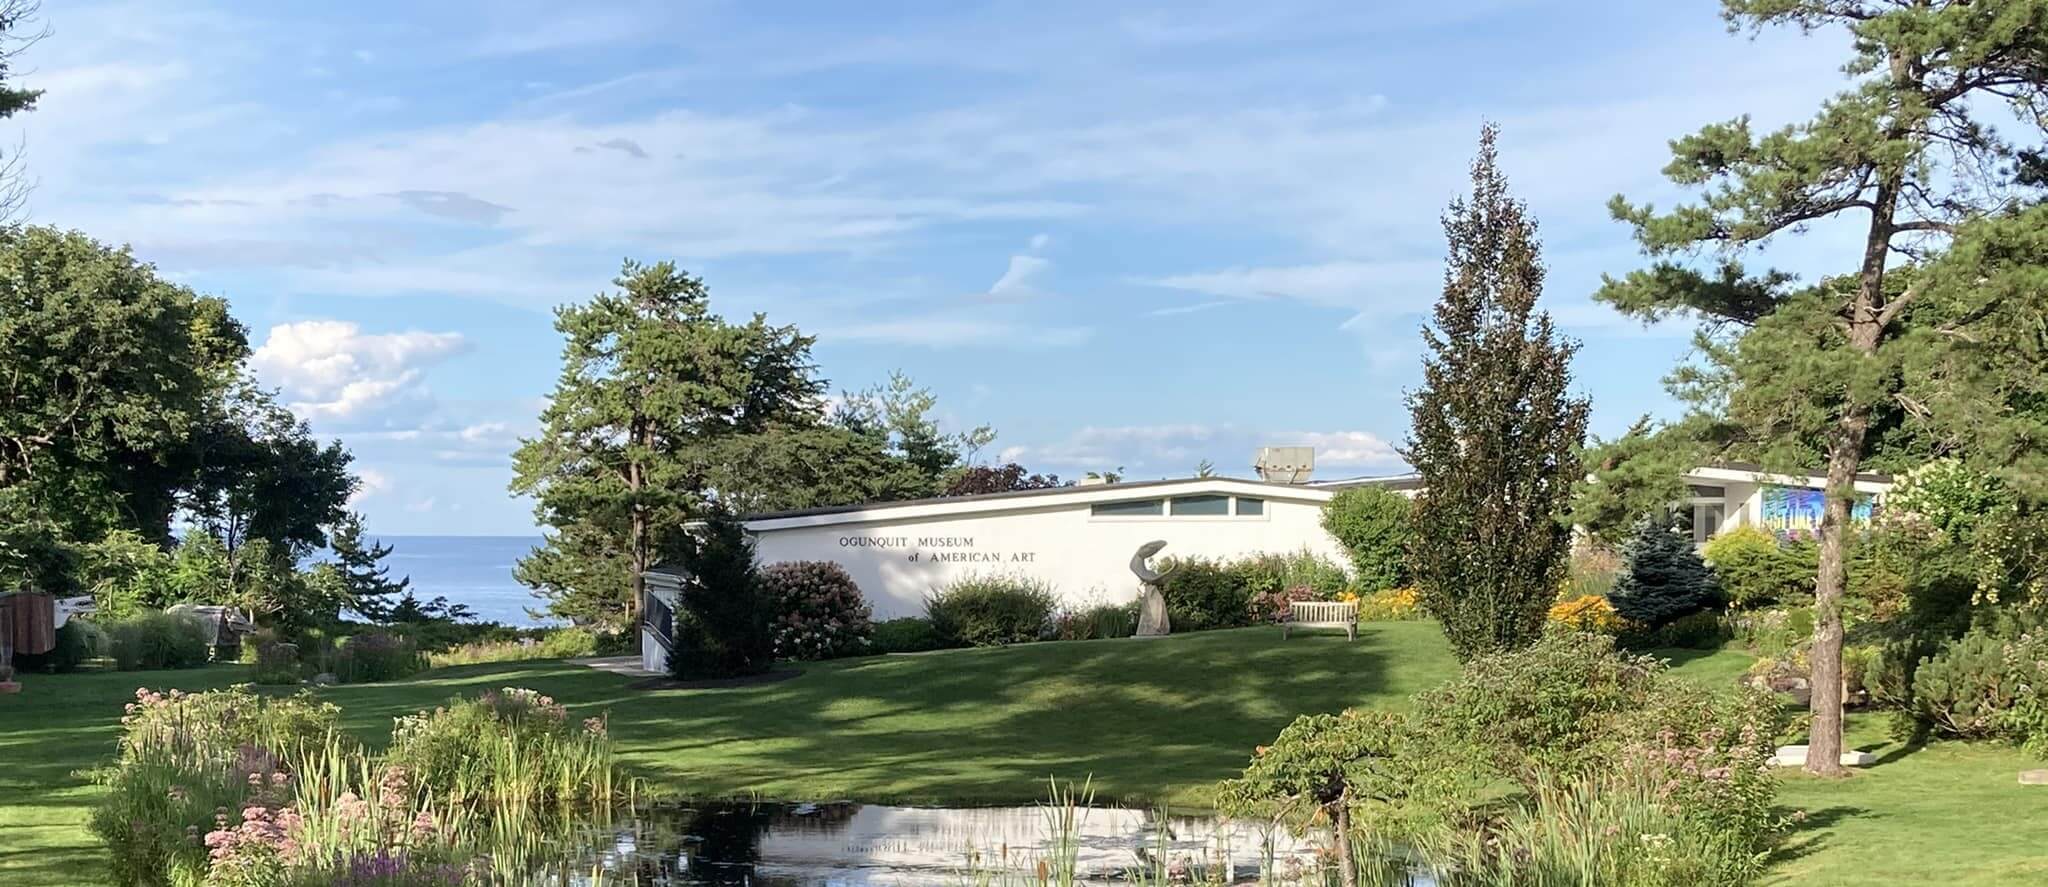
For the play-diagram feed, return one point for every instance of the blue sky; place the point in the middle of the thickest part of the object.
(1124, 235)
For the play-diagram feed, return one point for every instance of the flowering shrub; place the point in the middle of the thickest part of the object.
(230, 789)
(1276, 606)
(514, 742)
(1589, 612)
(820, 613)
(1390, 605)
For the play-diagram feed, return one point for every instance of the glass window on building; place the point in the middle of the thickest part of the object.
(1706, 521)
(1133, 508)
(1249, 507)
(1201, 506)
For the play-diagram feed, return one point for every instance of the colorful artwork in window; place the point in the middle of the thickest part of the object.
(1797, 509)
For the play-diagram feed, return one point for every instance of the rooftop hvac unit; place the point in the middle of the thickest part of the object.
(1286, 465)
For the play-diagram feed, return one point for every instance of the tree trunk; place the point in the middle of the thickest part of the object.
(636, 541)
(1845, 456)
(1824, 745)
(1347, 874)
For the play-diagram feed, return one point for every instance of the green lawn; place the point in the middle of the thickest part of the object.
(1149, 721)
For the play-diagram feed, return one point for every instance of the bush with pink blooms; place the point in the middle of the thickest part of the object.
(232, 789)
(819, 611)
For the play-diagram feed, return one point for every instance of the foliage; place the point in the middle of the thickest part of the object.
(1550, 706)
(1202, 594)
(414, 613)
(652, 385)
(1880, 363)
(1699, 630)
(509, 744)
(991, 610)
(1948, 497)
(376, 656)
(1094, 623)
(1634, 476)
(361, 572)
(905, 634)
(1275, 572)
(230, 789)
(185, 760)
(555, 643)
(1374, 525)
(1010, 477)
(1277, 606)
(819, 611)
(1990, 683)
(124, 573)
(1496, 434)
(276, 661)
(1587, 612)
(899, 413)
(155, 640)
(1755, 569)
(1593, 570)
(1390, 605)
(1665, 578)
(723, 620)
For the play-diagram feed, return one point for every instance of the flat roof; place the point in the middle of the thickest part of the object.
(1095, 489)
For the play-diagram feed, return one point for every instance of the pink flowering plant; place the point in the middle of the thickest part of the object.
(820, 613)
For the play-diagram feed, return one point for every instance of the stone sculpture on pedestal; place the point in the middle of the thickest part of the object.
(1152, 621)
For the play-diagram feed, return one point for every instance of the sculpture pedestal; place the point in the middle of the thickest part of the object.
(1152, 620)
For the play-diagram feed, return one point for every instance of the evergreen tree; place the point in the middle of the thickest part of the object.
(1819, 374)
(723, 623)
(1495, 435)
(359, 567)
(1665, 579)
(653, 392)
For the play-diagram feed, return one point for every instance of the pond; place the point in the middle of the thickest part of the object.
(865, 844)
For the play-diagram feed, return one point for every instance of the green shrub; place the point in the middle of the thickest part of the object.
(1755, 569)
(1275, 572)
(1703, 630)
(1988, 684)
(155, 640)
(1550, 706)
(1373, 525)
(1092, 623)
(376, 656)
(991, 610)
(723, 623)
(514, 745)
(1202, 594)
(907, 634)
(1664, 580)
(819, 611)
(573, 642)
(276, 661)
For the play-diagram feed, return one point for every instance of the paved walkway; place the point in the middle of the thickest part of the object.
(625, 665)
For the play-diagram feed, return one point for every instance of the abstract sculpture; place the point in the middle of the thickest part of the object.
(1152, 621)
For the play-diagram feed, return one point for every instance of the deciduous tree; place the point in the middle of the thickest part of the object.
(1496, 433)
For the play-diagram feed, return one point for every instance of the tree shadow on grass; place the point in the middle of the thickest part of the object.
(1811, 833)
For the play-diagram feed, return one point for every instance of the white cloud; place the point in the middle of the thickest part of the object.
(1039, 241)
(1016, 282)
(330, 370)
(373, 483)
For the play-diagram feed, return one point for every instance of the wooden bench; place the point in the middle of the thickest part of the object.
(1322, 614)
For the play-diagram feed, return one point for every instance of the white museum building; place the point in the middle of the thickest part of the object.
(1080, 539)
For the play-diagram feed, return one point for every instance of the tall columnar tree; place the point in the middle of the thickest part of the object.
(1496, 433)
(653, 393)
(1905, 157)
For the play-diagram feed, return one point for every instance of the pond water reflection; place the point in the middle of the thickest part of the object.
(863, 844)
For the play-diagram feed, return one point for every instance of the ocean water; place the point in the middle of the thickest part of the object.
(472, 570)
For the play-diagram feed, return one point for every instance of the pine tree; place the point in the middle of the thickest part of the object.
(1496, 434)
(1665, 578)
(1907, 159)
(360, 567)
